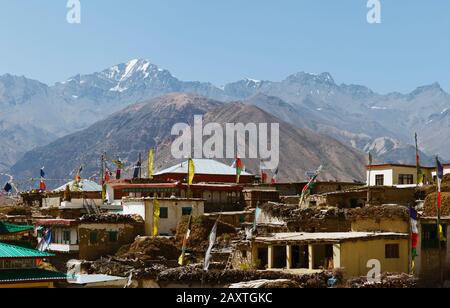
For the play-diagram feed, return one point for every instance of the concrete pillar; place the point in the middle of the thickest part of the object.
(311, 256)
(289, 257)
(270, 252)
(255, 256)
(337, 255)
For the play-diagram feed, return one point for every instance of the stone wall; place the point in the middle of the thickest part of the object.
(104, 246)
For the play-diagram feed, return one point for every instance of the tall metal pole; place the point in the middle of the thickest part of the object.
(369, 193)
(439, 176)
(102, 178)
(102, 170)
(188, 182)
(140, 166)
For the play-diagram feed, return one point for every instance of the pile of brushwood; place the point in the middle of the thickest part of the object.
(430, 192)
(114, 266)
(379, 211)
(111, 218)
(445, 186)
(278, 210)
(16, 211)
(149, 249)
(293, 213)
(194, 274)
(145, 258)
(314, 219)
(430, 206)
(388, 280)
(200, 231)
(267, 284)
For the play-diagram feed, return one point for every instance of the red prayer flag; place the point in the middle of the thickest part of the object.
(439, 200)
(414, 240)
(42, 186)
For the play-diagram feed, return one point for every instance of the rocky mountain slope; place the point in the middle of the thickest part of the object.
(133, 130)
(34, 114)
(50, 112)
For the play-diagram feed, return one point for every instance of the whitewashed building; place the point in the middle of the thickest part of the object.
(171, 212)
(64, 238)
(396, 175)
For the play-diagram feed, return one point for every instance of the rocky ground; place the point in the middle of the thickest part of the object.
(388, 280)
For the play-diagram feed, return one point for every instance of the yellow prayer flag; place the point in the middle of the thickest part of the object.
(442, 236)
(156, 215)
(150, 164)
(181, 259)
(191, 172)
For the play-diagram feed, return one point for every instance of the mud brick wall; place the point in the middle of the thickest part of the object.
(381, 225)
(380, 196)
(127, 232)
(329, 224)
(255, 197)
(242, 258)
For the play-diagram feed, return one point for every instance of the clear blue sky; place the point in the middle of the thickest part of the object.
(224, 40)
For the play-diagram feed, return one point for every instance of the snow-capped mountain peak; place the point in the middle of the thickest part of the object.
(306, 78)
(382, 145)
(131, 81)
(132, 71)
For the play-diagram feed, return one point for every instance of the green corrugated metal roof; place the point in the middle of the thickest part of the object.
(10, 252)
(7, 228)
(29, 275)
(19, 243)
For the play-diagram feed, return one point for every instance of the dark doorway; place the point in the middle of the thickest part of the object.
(279, 256)
(263, 258)
(300, 257)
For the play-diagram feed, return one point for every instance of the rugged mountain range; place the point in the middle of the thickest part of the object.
(355, 114)
(133, 130)
(352, 129)
(131, 82)
(38, 114)
(34, 114)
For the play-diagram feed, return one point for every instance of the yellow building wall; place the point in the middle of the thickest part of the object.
(354, 256)
(412, 171)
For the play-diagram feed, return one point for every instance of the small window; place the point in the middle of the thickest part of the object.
(379, 180)
(66, 236)
(164, 213)
(113, 236)
(405, 179)
(392, 251)
(93, 238)
(186, 211)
